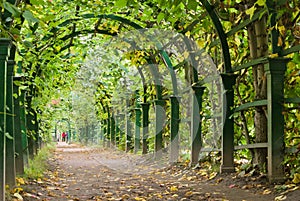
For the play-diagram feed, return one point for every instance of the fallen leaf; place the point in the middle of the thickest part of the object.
(281, 197)
(18, 196)
(125, 196)
(139, 199)
(31, 196)
(173, 188)
(212, 175)
(188, 194)
(296, 179)
(267, 191)
(20, 181)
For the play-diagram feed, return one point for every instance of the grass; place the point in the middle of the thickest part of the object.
(38, 165)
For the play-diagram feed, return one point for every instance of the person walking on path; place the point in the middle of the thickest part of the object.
(63, 135)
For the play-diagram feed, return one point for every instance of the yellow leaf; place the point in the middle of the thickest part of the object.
(139, 199)
(261, 2)
(212, 175)
(20, 181)
(251, 11)
(17, 190)
(188, 33)
(188, 194)
(281, 30)
(186, 54)
(296, 179)
(173, 188)
(291, 65)
(200, 43)
(281, 197)
(267, 191)
(159, 195)
(125, 196)
(280, 42)
(273, 55)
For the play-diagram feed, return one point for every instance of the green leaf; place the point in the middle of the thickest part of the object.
(36, 2)
(251, 11)
(160, 17)
(27, 44)
(121, 3)
(296, 58)
(192, 4)
(29, 17)
(9, 136)
(12, 9)
(261, 2)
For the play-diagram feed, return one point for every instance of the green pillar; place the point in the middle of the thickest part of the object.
(23, 127)
(117, 129)
(86, 133)
(196, 132)
(275, 70)
(31, 128)
(145, 111)
(122, 129)
(137, 135)
(4, 53)
(128, 128)
(112, 131)
(228, 123)
(69, 133)
(108, 129)
(10, 141)
(103, 132)
(160, 117)
(175, 120)
(18, 132)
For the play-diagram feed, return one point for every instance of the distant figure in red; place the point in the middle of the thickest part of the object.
(64, 135)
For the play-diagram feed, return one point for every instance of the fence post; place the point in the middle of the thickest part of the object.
(117, 128)
(128, 127)
(137, 135)
(228, 123)
(10, 142)
(175, 120)
(23, 127)
(112, 130)
(4, 53)
(275, 70)
(160, 117)
(104, 132)
(122, 129)
(196, 132)
(145, 111)
(18, 132)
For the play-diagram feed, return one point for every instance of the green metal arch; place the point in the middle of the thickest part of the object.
(127, 22)
(222, 35)
(274, 32)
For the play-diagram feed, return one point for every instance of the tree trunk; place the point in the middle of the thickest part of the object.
(258, 43)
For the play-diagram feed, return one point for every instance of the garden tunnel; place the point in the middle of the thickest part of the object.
(274, 64)
(57, 130)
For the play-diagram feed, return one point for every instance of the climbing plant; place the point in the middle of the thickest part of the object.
(65, 49)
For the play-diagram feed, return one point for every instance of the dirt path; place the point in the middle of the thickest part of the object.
(81, 173)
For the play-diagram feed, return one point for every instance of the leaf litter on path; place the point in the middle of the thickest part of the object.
(79, 173)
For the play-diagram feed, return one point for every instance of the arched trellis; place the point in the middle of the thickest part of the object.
(159, 103)
(168, 64)
(274, 66)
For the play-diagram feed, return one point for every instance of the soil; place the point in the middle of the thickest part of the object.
(78, 173)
